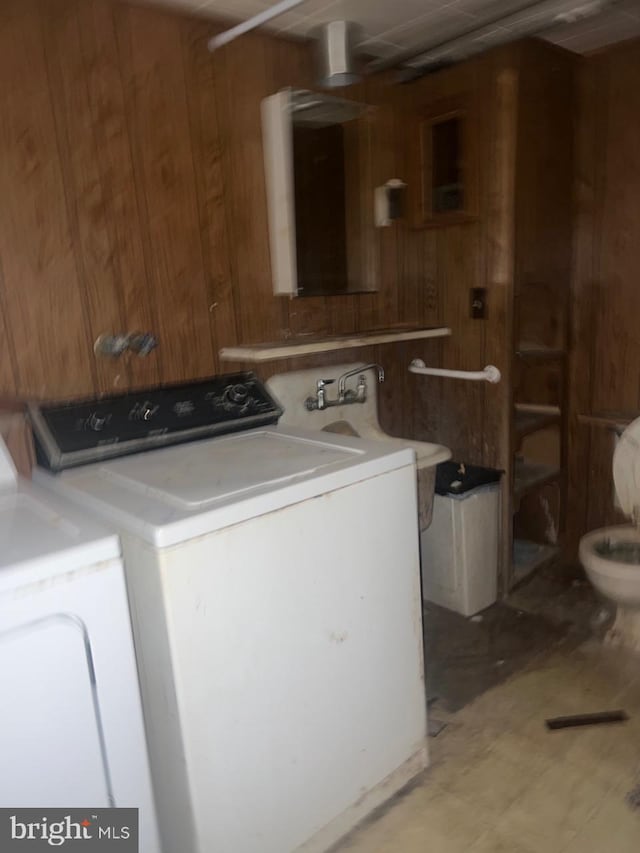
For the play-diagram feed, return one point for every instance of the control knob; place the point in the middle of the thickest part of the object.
(238, 394)
(143, 411)
(97, 422)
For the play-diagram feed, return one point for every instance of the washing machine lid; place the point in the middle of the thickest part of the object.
(626, 470)
(170, 495)
(42, 535)
(195, 476)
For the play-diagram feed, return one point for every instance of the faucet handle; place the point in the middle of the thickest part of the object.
(142, 343)
(321, 383)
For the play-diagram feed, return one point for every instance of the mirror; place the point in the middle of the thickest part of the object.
(320, 194)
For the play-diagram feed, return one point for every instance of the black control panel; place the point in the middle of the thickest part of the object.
(76, 433)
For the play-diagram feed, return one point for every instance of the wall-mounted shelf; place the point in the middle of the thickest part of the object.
(532, 418)
(311, 346)
(609, 420)
(531, 475)
(534, 352)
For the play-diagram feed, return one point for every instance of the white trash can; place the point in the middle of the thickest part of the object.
(459, 550)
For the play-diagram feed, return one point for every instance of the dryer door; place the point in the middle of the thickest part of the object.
(50, 728)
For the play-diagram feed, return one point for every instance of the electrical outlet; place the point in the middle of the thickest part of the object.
(478, 302)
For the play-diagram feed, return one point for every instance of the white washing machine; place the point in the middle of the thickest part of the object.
(71, 730)
(274, 583)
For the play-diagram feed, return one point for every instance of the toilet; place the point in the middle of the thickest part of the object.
(611, 555)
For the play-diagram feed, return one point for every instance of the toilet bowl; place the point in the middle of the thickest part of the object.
(611, 558)
(611, 555)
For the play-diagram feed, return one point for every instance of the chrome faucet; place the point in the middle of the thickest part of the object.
(320, 401)
(322, 394)
(344, 398)
(362, 385)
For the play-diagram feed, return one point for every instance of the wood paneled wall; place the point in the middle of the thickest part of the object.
(450, 260)
(131, 173)
(605, 365)
(426, 274)
(132, 179)
(518, 244)
(241, 86)
(133, 197)
(112, 216)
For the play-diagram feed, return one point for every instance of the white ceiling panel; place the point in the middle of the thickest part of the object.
(436, 26)
(392, 26)
(599, 31)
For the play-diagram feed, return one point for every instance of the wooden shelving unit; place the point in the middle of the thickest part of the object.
(539, 353)
(518, 161)
(538, 433)
(531, 475)
(531, 418)
(530, 556)
(616, 421)
(538, 430)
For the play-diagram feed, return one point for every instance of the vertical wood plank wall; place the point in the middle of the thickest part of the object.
(133, 194)
(36, 240)
(451, 260)
(131, 174)
(605, 364)
(112, 217)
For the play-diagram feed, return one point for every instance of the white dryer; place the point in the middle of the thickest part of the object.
(71, 729)
(275, 590)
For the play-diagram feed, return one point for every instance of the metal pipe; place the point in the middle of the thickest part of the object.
(342, 381)
(251, 23)
(335, 53)
(488, 374)
(531, 19)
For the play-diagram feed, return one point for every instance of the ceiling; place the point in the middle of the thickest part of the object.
(391, 27)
